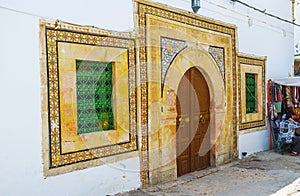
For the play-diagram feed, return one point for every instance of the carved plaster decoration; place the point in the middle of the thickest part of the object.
(171, 101)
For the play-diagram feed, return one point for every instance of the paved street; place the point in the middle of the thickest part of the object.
(264, 173)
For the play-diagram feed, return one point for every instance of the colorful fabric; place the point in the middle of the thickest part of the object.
(278, 106)
(287, 131)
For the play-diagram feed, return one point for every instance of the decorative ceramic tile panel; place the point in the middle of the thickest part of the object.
(252, 113)
(218, 55)
(94, 96)
(143, 9)
(80, 77)
(170, 48)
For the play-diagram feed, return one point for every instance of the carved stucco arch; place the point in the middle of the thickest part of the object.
(200, 58)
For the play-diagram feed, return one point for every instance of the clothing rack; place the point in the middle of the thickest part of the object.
(283, 95)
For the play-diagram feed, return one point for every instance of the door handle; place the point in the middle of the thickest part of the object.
(181, 123)
(203, 118)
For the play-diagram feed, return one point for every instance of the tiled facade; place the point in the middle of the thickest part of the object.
(252, 121)
(218, 55)
(71, 97)
(155, 21)
(170, 48)
(121, 101)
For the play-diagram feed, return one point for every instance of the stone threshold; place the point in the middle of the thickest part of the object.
(188, 177)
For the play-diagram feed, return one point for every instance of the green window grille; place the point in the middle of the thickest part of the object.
(94, 96)
(250, 93)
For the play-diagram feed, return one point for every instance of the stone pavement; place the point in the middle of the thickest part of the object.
(264, 173)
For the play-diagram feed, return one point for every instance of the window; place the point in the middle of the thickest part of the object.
(89, 96)
(251, 93)
(94, 96)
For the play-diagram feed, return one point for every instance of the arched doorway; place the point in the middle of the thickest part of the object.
(217, 139)
(193, 116)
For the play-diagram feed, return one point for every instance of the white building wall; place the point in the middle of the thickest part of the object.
(20, 100)
(254, 142)
(266, 37)
(297, 28)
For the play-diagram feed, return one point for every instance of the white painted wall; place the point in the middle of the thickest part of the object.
(266, 37)
(297, 28)
(20, 100)
(253, 142)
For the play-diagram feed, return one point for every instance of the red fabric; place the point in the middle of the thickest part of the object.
(269, 97)
(269, 102)
(279, 95)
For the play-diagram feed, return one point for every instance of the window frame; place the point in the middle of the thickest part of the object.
(254, 121)
(60, 49)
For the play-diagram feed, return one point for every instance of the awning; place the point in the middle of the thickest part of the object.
(290, 81)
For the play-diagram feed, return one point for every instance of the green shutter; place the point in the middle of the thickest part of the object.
(94, 96)
(250, 93)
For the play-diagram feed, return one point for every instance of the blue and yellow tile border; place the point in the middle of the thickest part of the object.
(56, 161)
(143, 9)
(255, 65)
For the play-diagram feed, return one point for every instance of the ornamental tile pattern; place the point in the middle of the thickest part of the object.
(170, 48)
(255, 62)
(218, 55)
(107, 39)
(144, 9)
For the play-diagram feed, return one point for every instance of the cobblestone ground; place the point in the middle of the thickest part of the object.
(265, 173)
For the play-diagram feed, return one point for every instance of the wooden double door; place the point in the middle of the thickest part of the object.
(193, 148)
